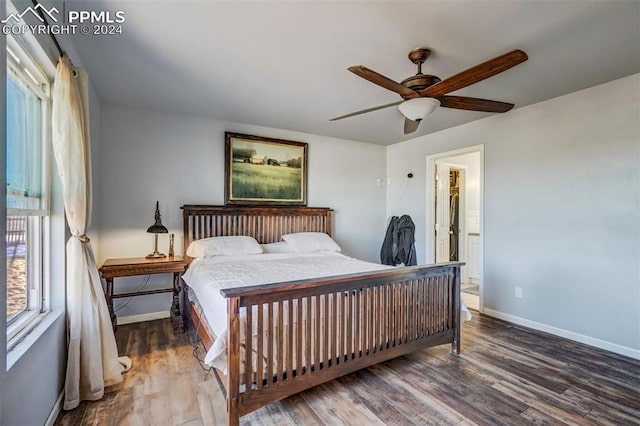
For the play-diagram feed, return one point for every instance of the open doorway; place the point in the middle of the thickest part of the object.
(455, 200)
(449, 205)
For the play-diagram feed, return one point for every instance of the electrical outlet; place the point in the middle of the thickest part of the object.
(519, 292)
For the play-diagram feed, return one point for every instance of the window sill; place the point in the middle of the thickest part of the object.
(39, 328)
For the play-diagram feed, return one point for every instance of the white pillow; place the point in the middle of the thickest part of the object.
(308, 242)
(223, 246)
(279, 247)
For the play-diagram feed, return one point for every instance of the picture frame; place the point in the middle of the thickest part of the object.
(265, 171)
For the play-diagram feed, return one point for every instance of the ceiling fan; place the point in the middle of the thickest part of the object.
(423, 93)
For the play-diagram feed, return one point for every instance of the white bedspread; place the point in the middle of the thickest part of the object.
(207, 276)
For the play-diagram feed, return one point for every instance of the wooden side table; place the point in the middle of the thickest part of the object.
(117, 268)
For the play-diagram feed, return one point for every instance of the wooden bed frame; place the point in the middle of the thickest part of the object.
(354, 321)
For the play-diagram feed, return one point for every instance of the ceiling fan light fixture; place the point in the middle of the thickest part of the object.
(418, 108)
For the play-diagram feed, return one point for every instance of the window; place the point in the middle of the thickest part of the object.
(28, 127)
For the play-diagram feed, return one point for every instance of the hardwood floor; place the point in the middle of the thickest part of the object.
(506, 375)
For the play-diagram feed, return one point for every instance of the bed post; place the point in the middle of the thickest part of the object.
(233, 367)
(186, 311)
(329, 224)
(455, 345)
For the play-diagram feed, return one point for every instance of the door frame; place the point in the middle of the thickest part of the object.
(430, 207)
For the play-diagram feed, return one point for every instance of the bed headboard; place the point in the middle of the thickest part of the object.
(265, 224)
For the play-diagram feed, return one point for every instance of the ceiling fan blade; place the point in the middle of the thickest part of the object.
(366, 110)
(474, 104)
(383, 81)
(476, 74)
(410, 126)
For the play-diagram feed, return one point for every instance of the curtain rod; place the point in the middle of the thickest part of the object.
(53, 37)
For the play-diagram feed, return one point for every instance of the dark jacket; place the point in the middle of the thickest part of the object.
(399, 242)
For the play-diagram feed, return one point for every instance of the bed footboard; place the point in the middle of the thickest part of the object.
(312, 331)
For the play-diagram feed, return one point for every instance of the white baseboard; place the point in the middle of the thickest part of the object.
(143, 317)
(53, 415)
(587, 340)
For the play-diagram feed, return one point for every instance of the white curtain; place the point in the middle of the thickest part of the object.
(92, 362)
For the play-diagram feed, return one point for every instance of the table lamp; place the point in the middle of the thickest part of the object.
(157, 228)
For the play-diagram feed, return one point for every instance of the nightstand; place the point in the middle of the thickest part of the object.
(117, 268)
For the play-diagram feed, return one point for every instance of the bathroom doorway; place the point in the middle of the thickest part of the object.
(455, 201)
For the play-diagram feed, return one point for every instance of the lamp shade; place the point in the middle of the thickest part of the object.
(158, 227)
(418, 108)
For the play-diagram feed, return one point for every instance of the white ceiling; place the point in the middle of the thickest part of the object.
(284, 64)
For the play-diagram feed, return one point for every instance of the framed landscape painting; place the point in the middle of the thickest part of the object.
(264, 171)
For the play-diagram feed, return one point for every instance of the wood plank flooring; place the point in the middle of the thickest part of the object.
(506, 375)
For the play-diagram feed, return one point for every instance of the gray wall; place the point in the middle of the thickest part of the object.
(562, 215)
(179, 159)
(35, 381)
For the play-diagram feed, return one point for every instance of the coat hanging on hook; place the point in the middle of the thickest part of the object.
(399, 242)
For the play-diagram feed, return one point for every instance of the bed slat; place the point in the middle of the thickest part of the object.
(299, 340)
(270, 337)
(260, 347)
